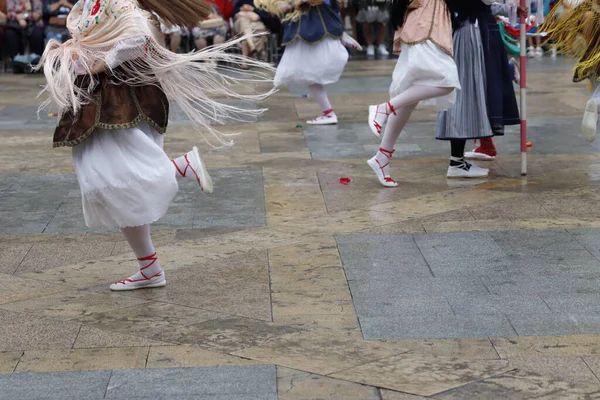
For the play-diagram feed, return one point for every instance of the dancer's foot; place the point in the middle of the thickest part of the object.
(380, 164)
(371, 51)
(383, 52)
(539, 52)
(328, 118)
(350, 42)
(378, 116)
(531, 52)
(150, 275)
(481, 153)
(589, 125)
(459, 168)
(192, 167)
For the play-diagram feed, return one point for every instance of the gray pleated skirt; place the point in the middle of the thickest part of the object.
(468, 119)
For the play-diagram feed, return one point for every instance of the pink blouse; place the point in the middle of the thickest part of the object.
(426, 20)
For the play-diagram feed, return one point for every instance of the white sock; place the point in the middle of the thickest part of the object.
(140, 240)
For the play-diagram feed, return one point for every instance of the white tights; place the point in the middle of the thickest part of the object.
(404, 104)
(140, 240)
(317, 91)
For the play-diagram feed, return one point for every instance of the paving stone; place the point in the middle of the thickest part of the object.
(549, 324)
(532, 241)
(54, 385)
(435, 326)
(378, 304)
(367, 256)
(256, 382)
(409, 287)
(490, 304)
(238, 202)
(543, 285)
(582, 304)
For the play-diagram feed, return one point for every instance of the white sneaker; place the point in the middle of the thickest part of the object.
(383, 51)
(329, 119)
(589, 125)
(554, 52)
(474, 155)
(531, 52)
(133, 284)
(370, 51)
(539, 52)
(467, 171)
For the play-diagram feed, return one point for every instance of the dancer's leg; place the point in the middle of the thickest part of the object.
(150, 273)
(400, 109)
(317, 91)
(589, 125)
(378, 115)
(191, 166)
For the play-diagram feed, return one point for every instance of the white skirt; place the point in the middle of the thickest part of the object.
(307, 64)
(125, 177)
(425, 64)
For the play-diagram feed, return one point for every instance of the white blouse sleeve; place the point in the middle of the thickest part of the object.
(500, 8)
(126, 50)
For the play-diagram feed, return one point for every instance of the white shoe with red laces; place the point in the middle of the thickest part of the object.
(154, 281)
(149, 276)
(380, 164)
(378, 116)
(328, 118)
(191, 166)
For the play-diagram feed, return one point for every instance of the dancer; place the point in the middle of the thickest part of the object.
(314, 53)
(425, 70)
(469, 118)
(575, 27)
(501, 101)
(116, 109)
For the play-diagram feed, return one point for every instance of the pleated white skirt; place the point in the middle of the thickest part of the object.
(125, 177)
(308, 64)
(425, 64)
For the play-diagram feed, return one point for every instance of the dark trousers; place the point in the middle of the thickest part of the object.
(14, 41)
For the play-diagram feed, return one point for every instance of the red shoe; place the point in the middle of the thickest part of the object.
(482, 153)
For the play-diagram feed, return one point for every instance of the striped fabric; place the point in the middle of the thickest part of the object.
(468, 119)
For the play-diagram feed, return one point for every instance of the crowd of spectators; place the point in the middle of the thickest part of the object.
(27, 25)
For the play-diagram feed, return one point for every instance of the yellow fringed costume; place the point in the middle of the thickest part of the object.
(275, 7)
(574, 25)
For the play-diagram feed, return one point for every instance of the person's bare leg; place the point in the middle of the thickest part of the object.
(175, 42)
(201, 43)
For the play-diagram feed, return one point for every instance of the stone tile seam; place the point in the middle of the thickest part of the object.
(590, 368)
(477, 381)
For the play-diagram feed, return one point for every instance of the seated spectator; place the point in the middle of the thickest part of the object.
(213, 27)
(173, 34)
(3, 20)
(56, 12)
(25, 24)
(249, 20)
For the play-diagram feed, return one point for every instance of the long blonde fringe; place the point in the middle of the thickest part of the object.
(299, 8)
(190, 81)
(576, 32)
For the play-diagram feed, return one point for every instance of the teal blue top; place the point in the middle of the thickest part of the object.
(313, 27)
